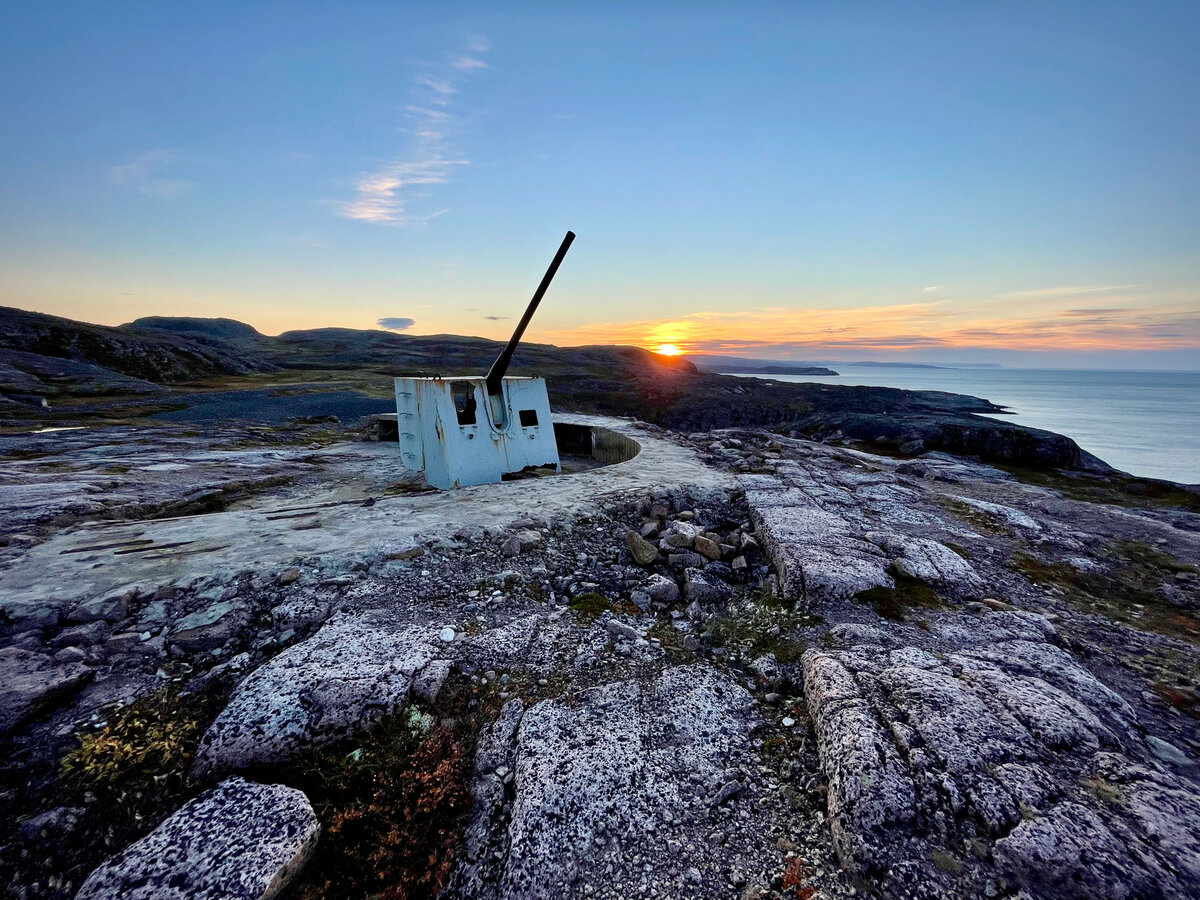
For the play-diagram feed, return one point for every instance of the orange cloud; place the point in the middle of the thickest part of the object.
(914, 326)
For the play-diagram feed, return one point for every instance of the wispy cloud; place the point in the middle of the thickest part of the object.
(147, 174)
(497, 318)
(1071, 291)
(396, 323)
(930, 289)
(467, 63)
(391, 194)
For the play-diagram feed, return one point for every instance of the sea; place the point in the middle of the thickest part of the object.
(1146, 423)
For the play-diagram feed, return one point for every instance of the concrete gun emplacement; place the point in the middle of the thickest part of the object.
(468, 429)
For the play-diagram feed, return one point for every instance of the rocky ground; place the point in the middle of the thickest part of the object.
(739, 665)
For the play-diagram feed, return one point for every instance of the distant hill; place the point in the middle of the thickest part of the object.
(225, 329)
(776, 369)
(43, 355)
(46, 361)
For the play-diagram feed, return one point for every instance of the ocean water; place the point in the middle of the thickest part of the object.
(1146, 423)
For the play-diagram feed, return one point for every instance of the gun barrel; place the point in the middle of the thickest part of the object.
(495, 375)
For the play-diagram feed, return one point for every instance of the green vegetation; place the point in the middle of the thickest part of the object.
(126, 777)
(947, 862)
(153, 737)
(669, 638)
(1104, 790)
(1116, 489)
(751, 639)
(1128, 591)
(590, 605)
(395, 802)
(892, 602)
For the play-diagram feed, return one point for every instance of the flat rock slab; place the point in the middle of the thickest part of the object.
(340, 681)
(239, 841)
(29, 682)
(628, 768)
(1007, 745)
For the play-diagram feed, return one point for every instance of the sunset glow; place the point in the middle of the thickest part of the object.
(813, 189)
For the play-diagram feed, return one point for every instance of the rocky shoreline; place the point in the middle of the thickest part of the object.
(739, 665)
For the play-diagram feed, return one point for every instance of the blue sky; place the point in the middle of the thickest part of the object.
(1003, 182)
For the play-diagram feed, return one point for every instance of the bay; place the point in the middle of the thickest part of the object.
(1146, 423)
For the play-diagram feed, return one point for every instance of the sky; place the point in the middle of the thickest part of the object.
(1004, 182)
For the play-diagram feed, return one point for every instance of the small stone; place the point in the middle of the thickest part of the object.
(106, 609)
(290, 576)
(643, 552)
(997, 605)
(447, 634)
(681, 534)
(705, 546)
(662, 589)
(621, 630)
(788, 721)
(210, 627)
(70, 655)
(700, 589)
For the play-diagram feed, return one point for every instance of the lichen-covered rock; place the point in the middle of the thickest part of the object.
(624, 765)
(29, 682)
(699, 588)
(929, 561)
(818, 556)
(239, 841)
(348, 675)
(1012, 742)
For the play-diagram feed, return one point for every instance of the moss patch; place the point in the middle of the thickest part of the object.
(947, 862)
(752, 640)
(590, 605)
(892, 602)
(1117, 490)
(1127, 591)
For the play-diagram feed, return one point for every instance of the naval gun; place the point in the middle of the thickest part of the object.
(467, 429)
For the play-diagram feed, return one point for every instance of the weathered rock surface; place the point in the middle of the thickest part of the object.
(239, 841)
(626, 769)
(341, 680)
(29, 682)
(995, 743)
(212, 626)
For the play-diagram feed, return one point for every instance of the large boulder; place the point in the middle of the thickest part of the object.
(239, 841)
(340, 681)
(30, 682)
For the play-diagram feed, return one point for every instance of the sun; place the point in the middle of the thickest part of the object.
(668, 350)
